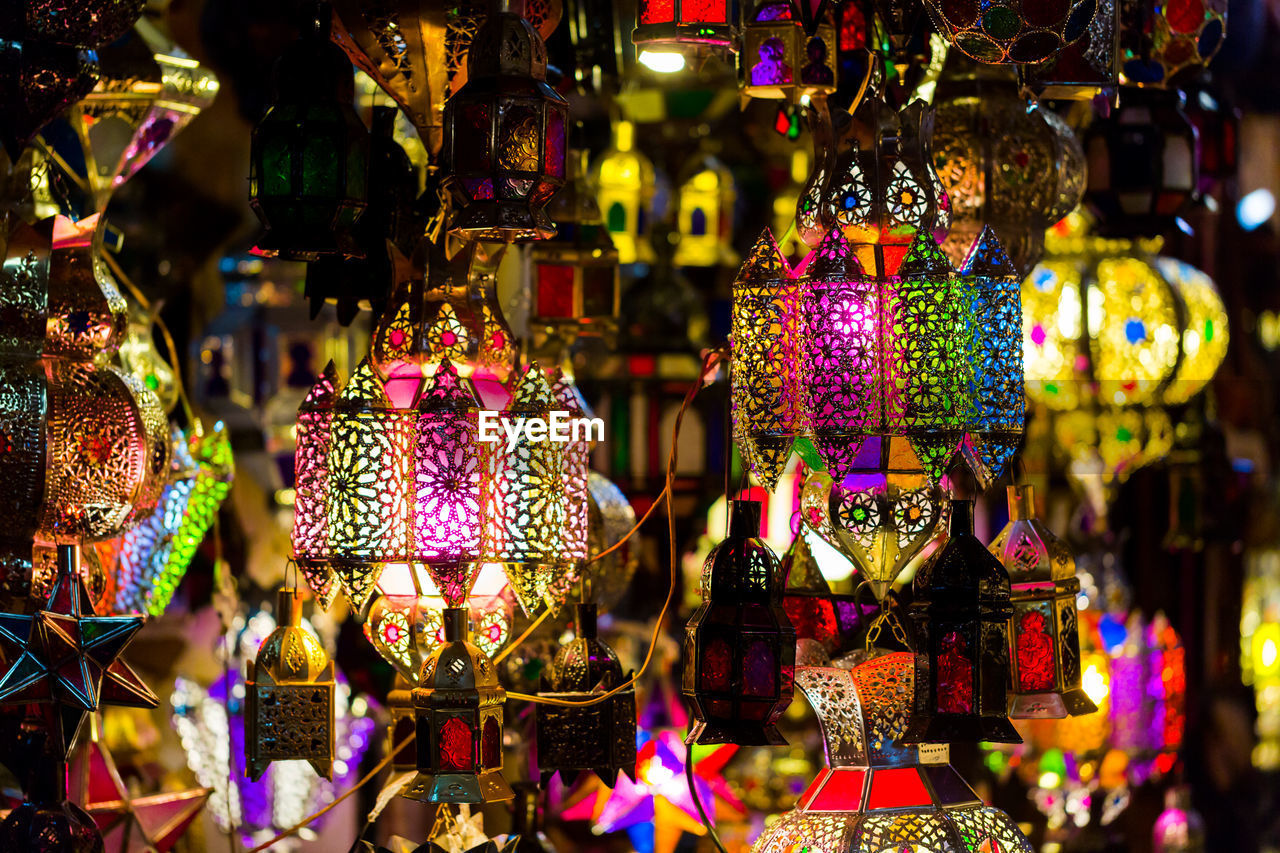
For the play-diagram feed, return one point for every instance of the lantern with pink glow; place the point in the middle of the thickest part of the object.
(961, 613)
(739, 645)
(683, 24)
(875, 793)
(781, 57)
(1044, 636)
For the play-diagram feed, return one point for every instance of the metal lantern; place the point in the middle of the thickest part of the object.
(458, 703)
(1012, 32)
(1143, 164)
(704, 214)
(1087, 67)
(309, 157)
(683, 24)
(599, 738)
(289, 689)
(875, 794)
(1044, 635)
(624, 180)
(1003, 166)
(961, 613)
(739, 647)
(1166, 42)
(577, 452)
(39, 81)
(310, 535)
(780, 58)
(504, 135)
(92, 23)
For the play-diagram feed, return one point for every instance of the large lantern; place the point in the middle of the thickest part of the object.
(309, 159)
(779, 58)
(1044, 634)
(504, 135)
(739, 648)
(681, 24)
(624, 179)
(458, 702)
(1014, 32)
(961, 613)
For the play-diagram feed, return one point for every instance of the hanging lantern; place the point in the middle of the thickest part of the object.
(704, 215)
(624, 180)
(739, 647)
(1085, 68)
(599, 738)
(309, 159)
(779, 58)
(289, 692)
(310, 535)
(876, 794)
(577, 453)
(1167, 43)
(90, 24)
(1014, 32)
(683, 24)
(1003, 166)
(40, 81)
(458, 702)
(1044, 638)
(961, 613)
(504, 135)
(1142, 164)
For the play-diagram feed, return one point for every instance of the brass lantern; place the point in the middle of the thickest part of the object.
(309, 157)
(504, 135)
(779, 58)
(961, 613)
(1044, 634)
(289, 691)
(458, 703)
(739, 646)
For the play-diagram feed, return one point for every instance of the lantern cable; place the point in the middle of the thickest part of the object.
(697, 801)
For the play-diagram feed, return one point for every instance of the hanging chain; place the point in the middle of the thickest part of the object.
(887, 616)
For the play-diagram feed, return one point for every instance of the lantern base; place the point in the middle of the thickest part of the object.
(969, 728)
(307, 245)
(683, 35)
(1051, 706)
(737, 732)
(486, 787)
(502, 222)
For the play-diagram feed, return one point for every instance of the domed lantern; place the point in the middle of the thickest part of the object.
(1013, 31)
(458, 705)
(961, 613)
(309, 156)
(1044, 634)
(739, 647)
(780, 58)
(504, 135)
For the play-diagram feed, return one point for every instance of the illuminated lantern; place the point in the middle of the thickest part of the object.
(1166, 42)
(599, 738)
(577, 454)
(1003, 166)
(1087, 67)
(1204, 330)
(704, 215)
(1168, 687)
(1044, 637)
(1132, 705)
(1142, 164)
(739, 648)
(624, 180)
(458, 703)
(876, 794)
(961, 613)
(504, 135)
(289, 691)
(767, 340)
(1013, 32)
(681, 24)
(310, 535)
(779, 59)
(1260, 646)
(575, 274)
(309, 158)
(1179, 828)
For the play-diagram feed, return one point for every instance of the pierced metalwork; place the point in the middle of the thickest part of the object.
(1015, 32)
(577, 455)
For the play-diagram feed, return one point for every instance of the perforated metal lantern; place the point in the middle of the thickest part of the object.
(1044, 632)
(779, 57)
(683, 24)
(1013, 31)
(309, 157)
(1167, 42)
(961, 613)
(458, 704)
(739, 647)
(504, 135)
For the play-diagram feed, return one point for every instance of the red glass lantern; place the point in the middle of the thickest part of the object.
(683, 24)
(961, 612)
(1167, 42)
(504, 135)
(739, 648)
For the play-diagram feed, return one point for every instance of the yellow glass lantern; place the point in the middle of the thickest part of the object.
(1260, 647)
(624, 179)
(1204, 333)
(779, 59)
(704, 215)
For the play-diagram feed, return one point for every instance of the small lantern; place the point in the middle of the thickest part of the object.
(1015, 32)
(1167, 43)
(961, 613)
(289, 691)
(1044, 635)
(683, 24)
(739, 648)
(767, 414)
(458, 702)
(704, 215)
(599, 738)
(779, 58)
(624, 179)
(1142, 164)
(309, 159)
(504, 135)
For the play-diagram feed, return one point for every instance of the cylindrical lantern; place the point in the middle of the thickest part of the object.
(310, 535)
(458, 705)
(779, 58)
(961, 613)
(309, 159)
(739, 648)
(683, 24)
(577, 454)
(504, 135)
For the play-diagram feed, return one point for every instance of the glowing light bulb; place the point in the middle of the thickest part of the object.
(661, 61)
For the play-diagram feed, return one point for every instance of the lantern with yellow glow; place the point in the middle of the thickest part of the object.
(683, 24)
(780, 58)
(1016, 32)
(624, 180)
(1260, 647)
(704, 215)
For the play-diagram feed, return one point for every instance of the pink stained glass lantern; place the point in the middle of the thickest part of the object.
(311, 487)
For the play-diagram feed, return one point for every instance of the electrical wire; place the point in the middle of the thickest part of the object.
(697, 801)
